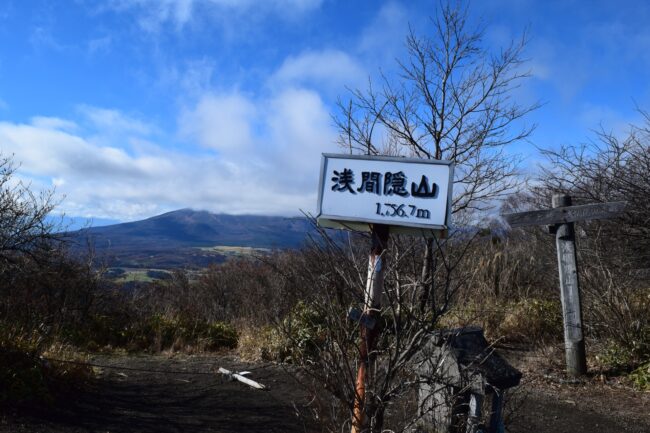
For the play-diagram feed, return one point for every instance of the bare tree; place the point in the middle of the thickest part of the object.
(41, 287)
(453, 100)
(609, 168)
(24, 225)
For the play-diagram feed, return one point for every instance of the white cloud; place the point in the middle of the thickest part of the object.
(46, 151)
(594, 117)
(114, 121)
(41, 37)
(270, 168)
(154, 14)
(331, 69)
(53, 123)
(221, 122)
(383, 39)
(604, 44)
(197, 76)
(279, 5)
(190, 79)
(300, 129)
(243, 153)
(275, 141)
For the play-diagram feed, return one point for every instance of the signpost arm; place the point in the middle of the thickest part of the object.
(570, 292)
(372, 301)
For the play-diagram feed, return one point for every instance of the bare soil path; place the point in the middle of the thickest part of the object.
(132, 401)
(551, 403)
(588, 410)
(143, 402)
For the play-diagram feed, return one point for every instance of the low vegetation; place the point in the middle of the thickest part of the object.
(276, 306)
(292, 306)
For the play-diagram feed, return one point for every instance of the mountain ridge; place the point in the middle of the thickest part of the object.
(184, 233)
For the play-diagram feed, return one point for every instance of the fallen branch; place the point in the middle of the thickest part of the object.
(240, 377)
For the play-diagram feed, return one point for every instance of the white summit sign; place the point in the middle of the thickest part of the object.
(410, 195)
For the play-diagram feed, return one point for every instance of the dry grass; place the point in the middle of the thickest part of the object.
(258, 343)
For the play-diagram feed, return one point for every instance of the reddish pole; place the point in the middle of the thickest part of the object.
(372, 301)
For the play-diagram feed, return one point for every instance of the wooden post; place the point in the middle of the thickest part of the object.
(562, 218)
(372, 305)
(574, 343)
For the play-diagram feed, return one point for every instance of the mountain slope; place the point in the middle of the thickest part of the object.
(180, 233)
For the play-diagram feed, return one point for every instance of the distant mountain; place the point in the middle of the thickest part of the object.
(184, 238)
(191, 228)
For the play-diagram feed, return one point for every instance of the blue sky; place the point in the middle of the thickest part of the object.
(130, 108)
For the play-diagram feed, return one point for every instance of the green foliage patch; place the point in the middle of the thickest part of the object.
(301, 335)
(641, 377)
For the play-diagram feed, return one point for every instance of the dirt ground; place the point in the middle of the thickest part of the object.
(159, 402)
(546, 401)
(579, 408)
(142, 402)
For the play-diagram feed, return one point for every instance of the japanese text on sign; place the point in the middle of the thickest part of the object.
(393, 183)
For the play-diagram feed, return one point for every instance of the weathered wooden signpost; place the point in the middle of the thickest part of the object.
(382, 195)
(561, 219)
